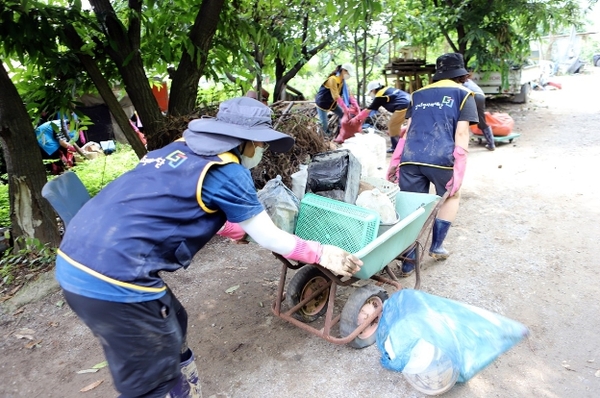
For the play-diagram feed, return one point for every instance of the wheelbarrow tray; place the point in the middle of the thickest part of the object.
(413, 209)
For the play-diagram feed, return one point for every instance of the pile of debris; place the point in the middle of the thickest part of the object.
(300, 122)
(298, 119)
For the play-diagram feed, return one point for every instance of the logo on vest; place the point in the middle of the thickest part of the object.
(176, 158)
(448, 101)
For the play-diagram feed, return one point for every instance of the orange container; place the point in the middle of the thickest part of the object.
(161, 93)
(501, 123)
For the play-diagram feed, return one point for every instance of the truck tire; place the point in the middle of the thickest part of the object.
(523, 96)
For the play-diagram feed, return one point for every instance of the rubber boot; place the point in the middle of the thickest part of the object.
(408, 267)
(489, 137)
(394, 141)
(188, 385)
(440, 230)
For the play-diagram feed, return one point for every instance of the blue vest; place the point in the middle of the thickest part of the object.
(324, 99)
(129, 235)
(392, 99)
(435, 110)
(45, 138)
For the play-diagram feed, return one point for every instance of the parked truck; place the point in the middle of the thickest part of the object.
(517, 83)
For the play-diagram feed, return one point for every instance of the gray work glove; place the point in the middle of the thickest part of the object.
(339, 261)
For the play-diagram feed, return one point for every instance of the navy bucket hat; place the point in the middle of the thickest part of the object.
(449, 66)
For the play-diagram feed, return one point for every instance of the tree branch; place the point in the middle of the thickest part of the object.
(72, 39)
(444, 32)
(184, 87)
(135, 24)
(304, 33)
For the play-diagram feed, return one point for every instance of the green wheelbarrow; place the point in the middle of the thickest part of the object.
(311, 292)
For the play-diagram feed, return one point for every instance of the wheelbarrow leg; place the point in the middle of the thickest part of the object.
(329, 320)
(279, 298)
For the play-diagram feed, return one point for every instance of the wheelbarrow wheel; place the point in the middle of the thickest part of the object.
(360, 305)
(304, 283)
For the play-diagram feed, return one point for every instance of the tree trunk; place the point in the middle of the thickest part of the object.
(461, 40)
(282, 78)
(280, 85)
(75, 43)
(184, 87)
(30, 214)
(131, 68)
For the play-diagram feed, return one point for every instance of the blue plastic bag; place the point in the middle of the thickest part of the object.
(472, 337)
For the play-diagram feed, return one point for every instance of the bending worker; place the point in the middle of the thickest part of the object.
(394, 101)
(435, 148)
(155, 218)
(480, 102)
(334, 95)
(53, 144)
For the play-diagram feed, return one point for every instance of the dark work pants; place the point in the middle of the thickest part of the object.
(480, 103)
(415, 178)
(142, 341)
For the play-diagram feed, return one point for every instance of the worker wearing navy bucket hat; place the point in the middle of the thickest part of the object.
(155, 218)
(434, 150)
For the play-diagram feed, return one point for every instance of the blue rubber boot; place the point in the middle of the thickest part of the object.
(188, 385)
(440, 230)
(408, 266)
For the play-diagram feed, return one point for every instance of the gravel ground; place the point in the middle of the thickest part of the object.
(523, 245)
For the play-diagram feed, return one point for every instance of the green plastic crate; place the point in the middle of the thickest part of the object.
(337, 223)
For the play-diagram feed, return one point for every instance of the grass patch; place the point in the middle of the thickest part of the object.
(96, 173)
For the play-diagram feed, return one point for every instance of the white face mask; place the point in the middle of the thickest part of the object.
(372, 94)
(346, 76)
(250, 162)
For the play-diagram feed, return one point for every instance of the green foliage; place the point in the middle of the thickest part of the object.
(45, 73)
(33, 256)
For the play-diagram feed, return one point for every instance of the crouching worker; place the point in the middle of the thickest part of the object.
(155, 218)
(392, 100)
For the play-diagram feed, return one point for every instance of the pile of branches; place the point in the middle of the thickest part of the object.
(299, 121)
(302, 125)
(173, 127)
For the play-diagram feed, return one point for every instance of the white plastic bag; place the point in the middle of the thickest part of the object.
(280, 203)
(370, 150)
(375, 200)
(299, 179)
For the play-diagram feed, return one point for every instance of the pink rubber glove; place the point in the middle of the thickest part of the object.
(71, 148)
(342, 104)
(363, 114)
(354, 103)
(460, 165)
(331, 257)
(394, 169)
(306, 251)
(232, 231)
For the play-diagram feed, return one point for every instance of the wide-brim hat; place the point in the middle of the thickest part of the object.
(449, 66)
(243, 118)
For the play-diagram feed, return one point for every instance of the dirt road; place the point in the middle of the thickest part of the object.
(524, 245)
